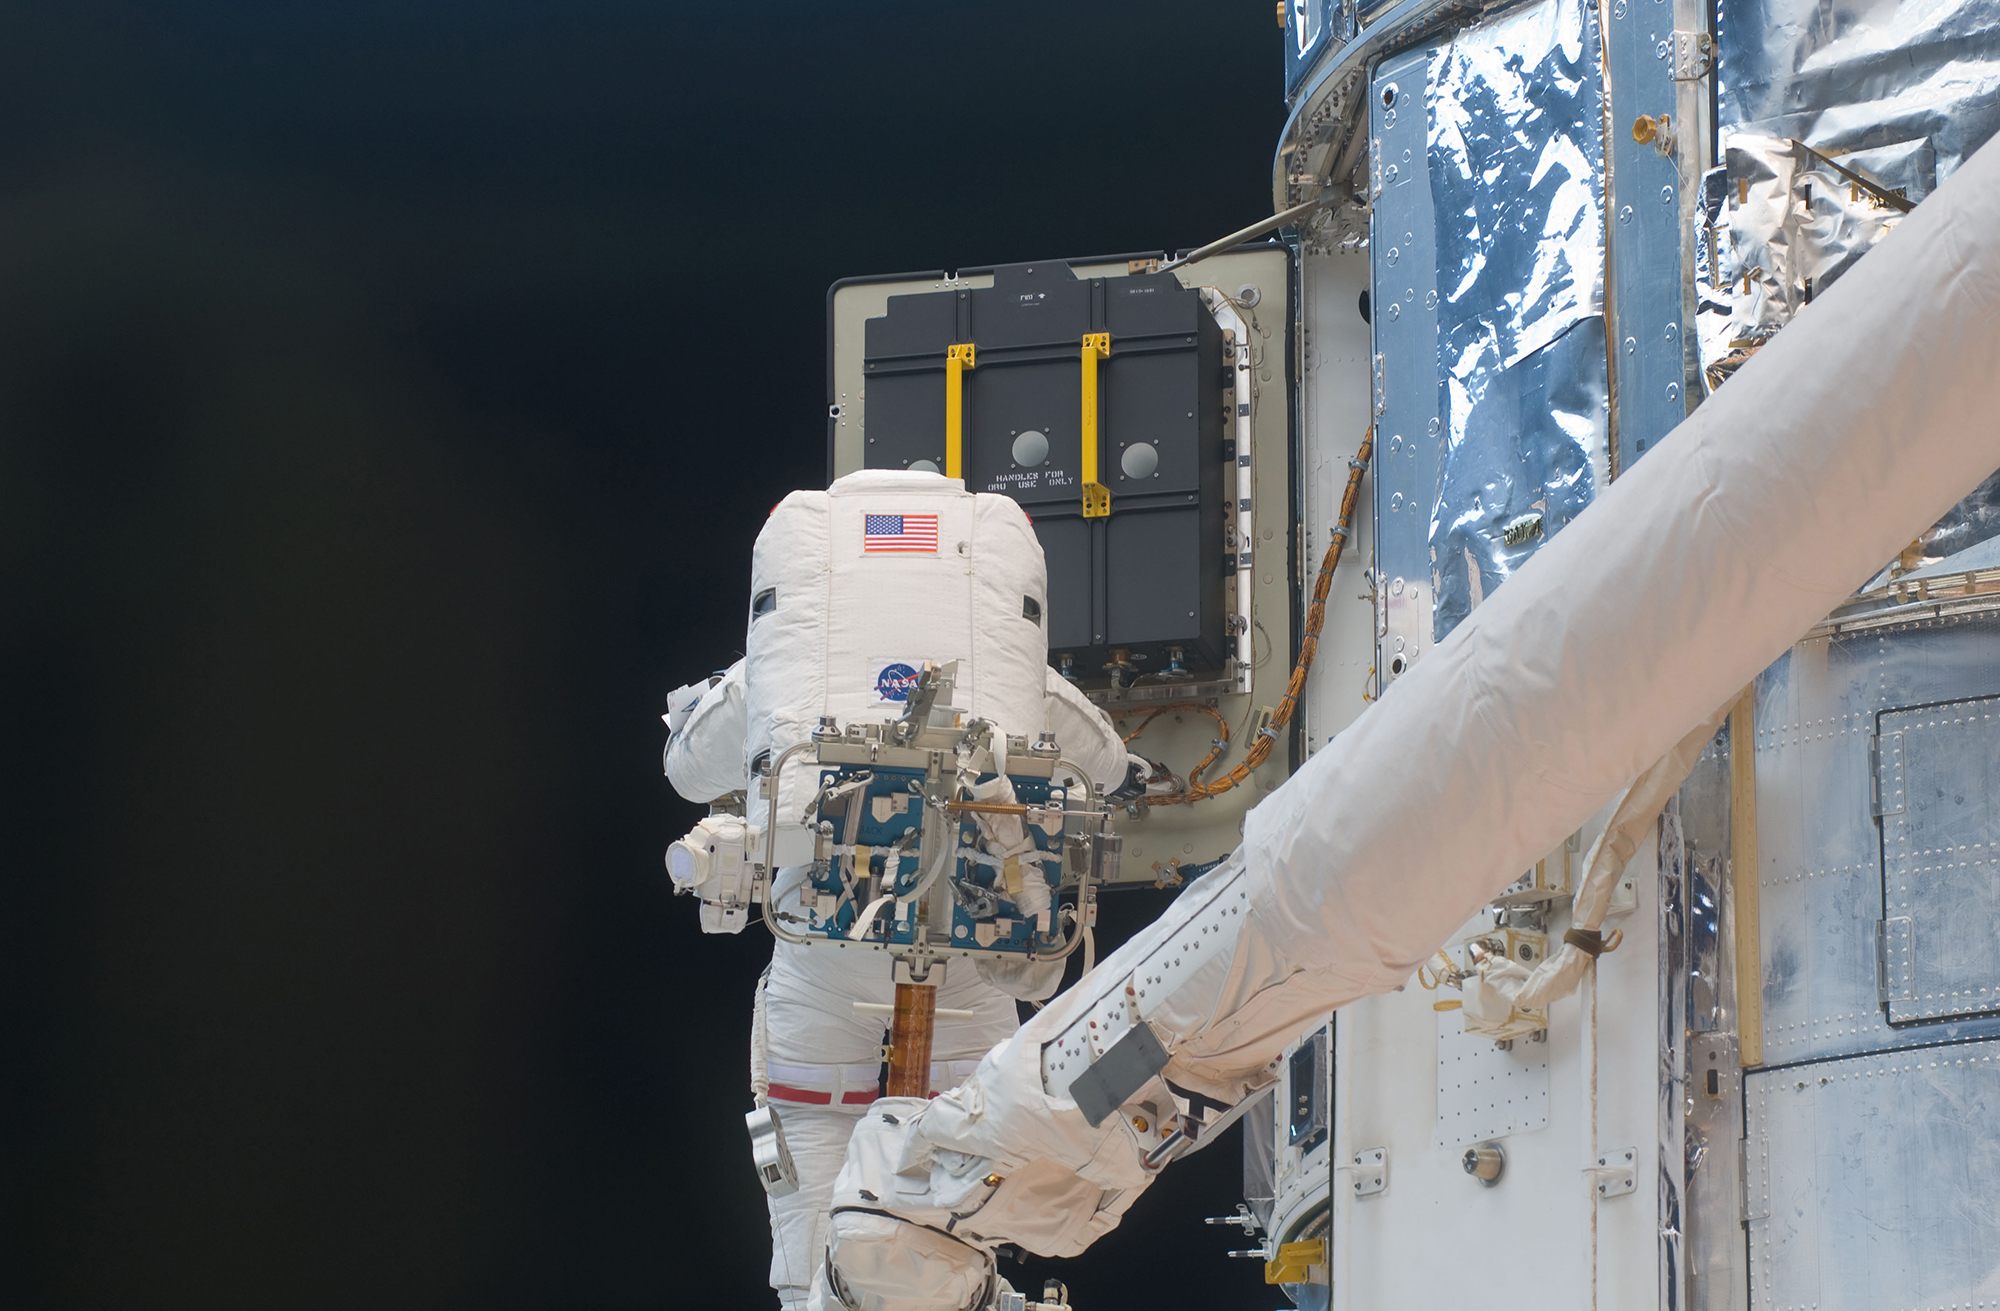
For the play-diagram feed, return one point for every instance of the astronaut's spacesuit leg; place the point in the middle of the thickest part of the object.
(817, 1137)
(821, 1059)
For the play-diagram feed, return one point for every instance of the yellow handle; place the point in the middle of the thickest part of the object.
(1096, 496)
(957, 359)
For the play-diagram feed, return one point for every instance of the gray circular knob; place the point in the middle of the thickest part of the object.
(923, 466)
(1030, 449)
(1140, 460)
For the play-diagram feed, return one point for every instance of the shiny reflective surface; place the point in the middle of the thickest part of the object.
(1525, 440)
(1862, 74)
(1898, 91)
(1796, 224)
(1515, 150)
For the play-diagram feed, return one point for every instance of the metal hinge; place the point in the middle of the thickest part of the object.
(1381, 389)
(1885, 774)
(1894, 975)
(1757, 1187)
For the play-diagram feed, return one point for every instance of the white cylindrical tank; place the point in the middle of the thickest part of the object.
(854, 588)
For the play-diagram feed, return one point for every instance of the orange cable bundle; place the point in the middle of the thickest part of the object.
(1267, 737)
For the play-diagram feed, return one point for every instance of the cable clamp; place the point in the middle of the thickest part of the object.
(1340, 533)
(1357, 464)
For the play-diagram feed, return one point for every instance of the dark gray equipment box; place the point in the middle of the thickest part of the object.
(1148, 579)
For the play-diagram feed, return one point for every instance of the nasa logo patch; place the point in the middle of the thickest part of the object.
(895, 681)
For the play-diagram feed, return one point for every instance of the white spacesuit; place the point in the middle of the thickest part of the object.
(843, 612)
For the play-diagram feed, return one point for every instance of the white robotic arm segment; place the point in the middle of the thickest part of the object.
(1854, 430)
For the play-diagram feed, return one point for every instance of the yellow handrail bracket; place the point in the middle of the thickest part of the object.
(957, 359)
(1096, 496)
(1295, 1261)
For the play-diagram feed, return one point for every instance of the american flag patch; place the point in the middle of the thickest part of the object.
(899, 533)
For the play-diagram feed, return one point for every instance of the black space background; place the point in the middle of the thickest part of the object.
(389, 394)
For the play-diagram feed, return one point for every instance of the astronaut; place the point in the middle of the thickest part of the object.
(854, 589)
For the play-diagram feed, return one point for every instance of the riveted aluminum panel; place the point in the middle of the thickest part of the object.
(1701, 1090)
(1941, 858)
(1644, 232)
(1819, 844)
(1409, 424)
(1875, 1182)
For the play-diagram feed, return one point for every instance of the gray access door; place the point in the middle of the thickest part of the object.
(1938, 789)
(1871, 1181)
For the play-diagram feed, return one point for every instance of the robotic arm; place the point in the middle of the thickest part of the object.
(1856, 428)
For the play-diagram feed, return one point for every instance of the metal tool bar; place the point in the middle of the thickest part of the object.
(1251, 233)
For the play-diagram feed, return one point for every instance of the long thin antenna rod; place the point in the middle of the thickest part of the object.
(1255, 230)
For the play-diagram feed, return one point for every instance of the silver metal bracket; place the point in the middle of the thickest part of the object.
(1693, 56)
(1617, 1172)
(1370, 1171)
(768, 1150)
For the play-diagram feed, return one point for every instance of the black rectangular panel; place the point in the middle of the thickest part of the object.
(1005, 400)
(922, 324)
(1066, 544)
(904, 420)
(1153, 568)
(1147, 579)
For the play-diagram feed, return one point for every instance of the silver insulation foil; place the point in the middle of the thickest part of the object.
(1796, 223)
(1898, 92)
(1515, 151)
(1845, 75)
